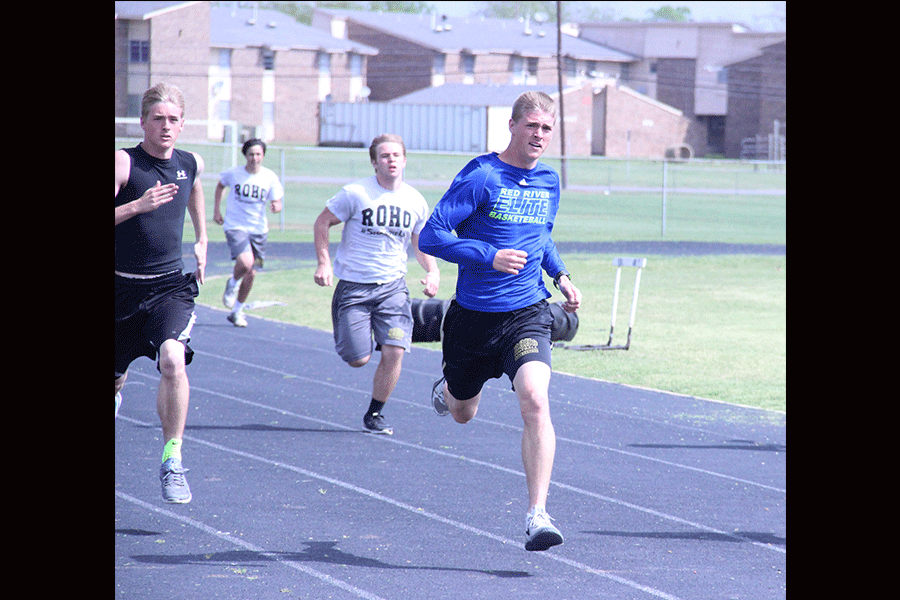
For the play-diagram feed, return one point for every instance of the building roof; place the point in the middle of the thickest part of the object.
(475, 94)
(479, 35)
(147, 10)
(242, 27)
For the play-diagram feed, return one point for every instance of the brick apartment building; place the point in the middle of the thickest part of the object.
(652, 86)
(686, 66)
(418, 51)
(757, 98)
(259, 68)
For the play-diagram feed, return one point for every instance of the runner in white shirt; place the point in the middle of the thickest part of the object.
(245, 223)
(382, 216)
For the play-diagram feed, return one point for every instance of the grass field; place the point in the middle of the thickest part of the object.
(712, 327)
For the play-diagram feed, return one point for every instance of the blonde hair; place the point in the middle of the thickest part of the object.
(533, 101)
(161, 92)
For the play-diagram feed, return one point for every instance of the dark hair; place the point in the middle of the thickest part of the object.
(254, 142)
(383, 138)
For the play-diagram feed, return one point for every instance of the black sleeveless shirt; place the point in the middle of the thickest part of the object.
(150, 243)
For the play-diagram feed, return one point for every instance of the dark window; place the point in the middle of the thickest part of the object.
(140, 52)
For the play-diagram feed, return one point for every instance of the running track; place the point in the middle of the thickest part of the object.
(657, 495)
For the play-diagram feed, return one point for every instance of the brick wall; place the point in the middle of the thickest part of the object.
(577, 108)
(756, 97)
(653, 128)
(179, 54)
(296, 91)
(399, 68)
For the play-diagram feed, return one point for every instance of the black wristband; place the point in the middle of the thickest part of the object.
(560, 274)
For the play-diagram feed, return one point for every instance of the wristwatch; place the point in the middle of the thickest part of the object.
(560, 274)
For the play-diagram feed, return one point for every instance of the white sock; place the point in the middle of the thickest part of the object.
(237, 307)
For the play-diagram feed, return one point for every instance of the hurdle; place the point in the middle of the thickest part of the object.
(620, 262)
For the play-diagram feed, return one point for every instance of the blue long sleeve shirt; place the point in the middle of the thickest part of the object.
(493, 206)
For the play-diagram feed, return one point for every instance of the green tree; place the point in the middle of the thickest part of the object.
(682, 14)
(403, 7)
(571, 11)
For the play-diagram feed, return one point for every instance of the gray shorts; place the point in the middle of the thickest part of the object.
(240, 242)
(361, 310)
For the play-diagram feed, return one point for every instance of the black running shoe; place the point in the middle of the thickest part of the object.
(375, 423)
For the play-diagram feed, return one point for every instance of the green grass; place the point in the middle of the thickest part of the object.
(729, 212)
(712, 327)
(583, 216)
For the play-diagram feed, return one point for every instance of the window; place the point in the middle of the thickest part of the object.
(516, 65)
(468, 63)
(133, 105)
(323, 61)
(356, 65)
(140, 51)
(223, 110)
(532, 66)
(268, 59)
(722, 76)
(438, 64)
(225, 58)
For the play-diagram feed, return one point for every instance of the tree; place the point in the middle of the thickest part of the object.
(682, 14)
(581, 12)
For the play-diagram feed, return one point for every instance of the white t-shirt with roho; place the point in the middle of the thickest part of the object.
(249, 197)
(378, 225)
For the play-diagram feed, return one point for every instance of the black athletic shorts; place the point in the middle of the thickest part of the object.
(151, 311)
(479, 345)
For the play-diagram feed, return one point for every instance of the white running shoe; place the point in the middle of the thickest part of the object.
(230, 295)
(437, 398)
(540, 531)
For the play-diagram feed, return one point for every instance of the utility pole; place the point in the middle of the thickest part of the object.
(559, 79)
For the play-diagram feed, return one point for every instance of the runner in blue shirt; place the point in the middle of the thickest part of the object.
(502, 207)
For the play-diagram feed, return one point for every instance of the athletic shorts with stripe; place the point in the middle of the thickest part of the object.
(151, 311)
(478, 346)
(360, 311)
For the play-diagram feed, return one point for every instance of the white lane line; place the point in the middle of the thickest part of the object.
(570, 488)
(515, 428)
(397, 504)
(248, 546)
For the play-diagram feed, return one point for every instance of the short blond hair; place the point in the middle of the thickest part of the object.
(161, 92)
(533, 101)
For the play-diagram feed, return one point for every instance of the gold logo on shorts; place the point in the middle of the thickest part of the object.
(526, 346)
(395, 333)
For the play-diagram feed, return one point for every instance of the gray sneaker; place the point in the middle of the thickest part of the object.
(437, 398)
(238, 319)
(230, 295)
(541, 532)
(175, 489)
(118, 403)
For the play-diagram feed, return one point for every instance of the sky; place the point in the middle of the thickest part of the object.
(759, 16)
